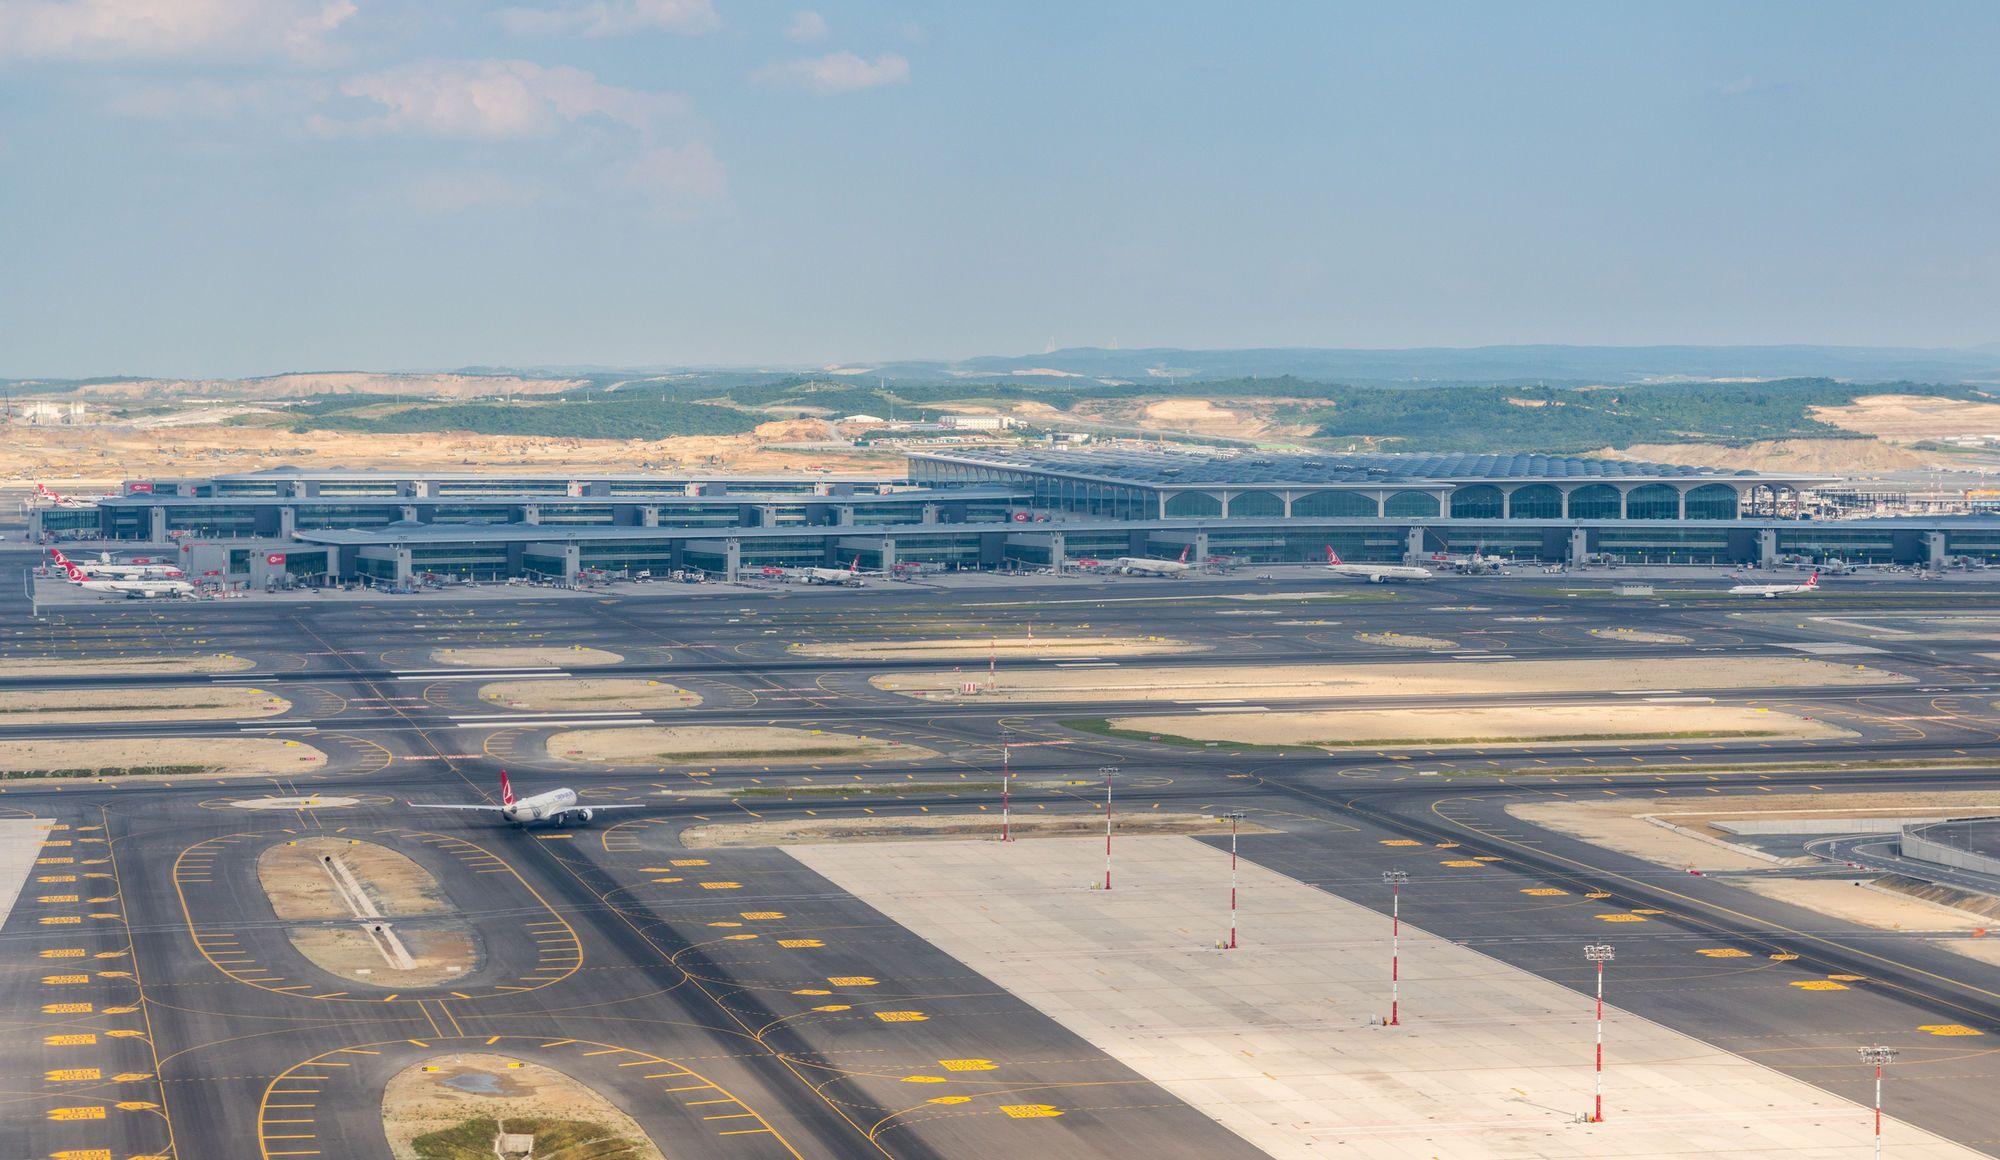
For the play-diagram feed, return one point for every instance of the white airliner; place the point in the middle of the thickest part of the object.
(104, 569)
(130, 589)
(849, 576)
(1374, 573)
(1147, 566)
(1774, 590)
(59, 499)
(557, 807)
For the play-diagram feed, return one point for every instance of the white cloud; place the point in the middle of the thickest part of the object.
(121, 29)
(838, 72)
(493, 100)
(679, 179)
(202, 97)
(806, 27)
(613, 18)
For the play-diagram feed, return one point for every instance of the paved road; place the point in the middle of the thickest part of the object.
(168, 1013)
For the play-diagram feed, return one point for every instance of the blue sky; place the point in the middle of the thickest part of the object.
(211, 187)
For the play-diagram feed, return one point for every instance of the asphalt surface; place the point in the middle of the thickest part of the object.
(738, 1004)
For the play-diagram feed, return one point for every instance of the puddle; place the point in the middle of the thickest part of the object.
(477, 1082)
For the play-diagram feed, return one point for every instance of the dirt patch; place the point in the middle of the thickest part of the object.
(635, 693)
(294, 876)
(521, 658)
(122, 666)
(159, 757)
(1911, 418)
(1472, 727)
(441, 953)
(1405, 640)
(870, 829)
(442, 1093)
(975, 648)
(1623, 825)
(1640, 636)
(725, 745)
(185, 703)
(1812, 456)
(378, 918)
(1437, 678)
(82, 456)
(1854, 900)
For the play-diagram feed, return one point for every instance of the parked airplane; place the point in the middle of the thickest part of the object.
(104, 569)
(57, 498)
(130, 588)
(1147, 566)
(1773, 590)
(1374, 573)
(849, 576)
(1477, 563)
(557, 807)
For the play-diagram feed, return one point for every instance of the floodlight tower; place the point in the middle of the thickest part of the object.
(1599, 953)
(1395, 880)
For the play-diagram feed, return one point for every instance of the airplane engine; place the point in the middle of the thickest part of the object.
(576, 817)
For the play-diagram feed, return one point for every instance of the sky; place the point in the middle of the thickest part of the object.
(231, 187)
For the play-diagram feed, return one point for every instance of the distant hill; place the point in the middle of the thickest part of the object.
(1566, 365)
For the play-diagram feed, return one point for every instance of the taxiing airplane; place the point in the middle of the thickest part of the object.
(1374, 573)
(1774, 590)
(1147, 566)
(557, 807)
(131, 589)
(104, 569)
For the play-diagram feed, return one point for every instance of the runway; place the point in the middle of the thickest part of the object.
(187, 1024)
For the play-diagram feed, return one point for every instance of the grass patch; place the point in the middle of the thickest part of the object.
(1102, 727)
(110, 771)
(906, 787)
(762, 754)
(569, 1139)
(1420, 742)
(1745, 767)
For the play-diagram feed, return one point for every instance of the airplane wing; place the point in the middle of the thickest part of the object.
(451, 806)
(631, 806)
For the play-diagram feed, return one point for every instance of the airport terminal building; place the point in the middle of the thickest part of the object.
(993, 508)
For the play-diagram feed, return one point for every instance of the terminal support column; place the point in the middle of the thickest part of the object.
(1767, 548)
(1934, 551)
(1413, 544)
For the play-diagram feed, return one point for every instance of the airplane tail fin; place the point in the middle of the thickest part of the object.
(66, 564)
(856, 566)
(1184, 553)
(506, 790)
(1812, 581)
(1332, 557)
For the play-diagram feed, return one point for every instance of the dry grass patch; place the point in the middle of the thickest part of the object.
(453, 1105)
(159, 757)
(1622, 825)
(1641, 636)
(1416, 678)
(979, 648)
(145, 666)
(725, 745)
(294, 876)
(634, 693)
(184, 703)
(522, 658)
(1574, 725)
(1405, 640)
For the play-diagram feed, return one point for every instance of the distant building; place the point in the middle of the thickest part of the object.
(42, 413)
(977, 422)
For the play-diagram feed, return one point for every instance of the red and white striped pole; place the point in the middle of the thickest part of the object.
(1006, 785)
(1234, 818)
(1599, 953)
(1878, 1056)
(1395, 879)
(1107, 771)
